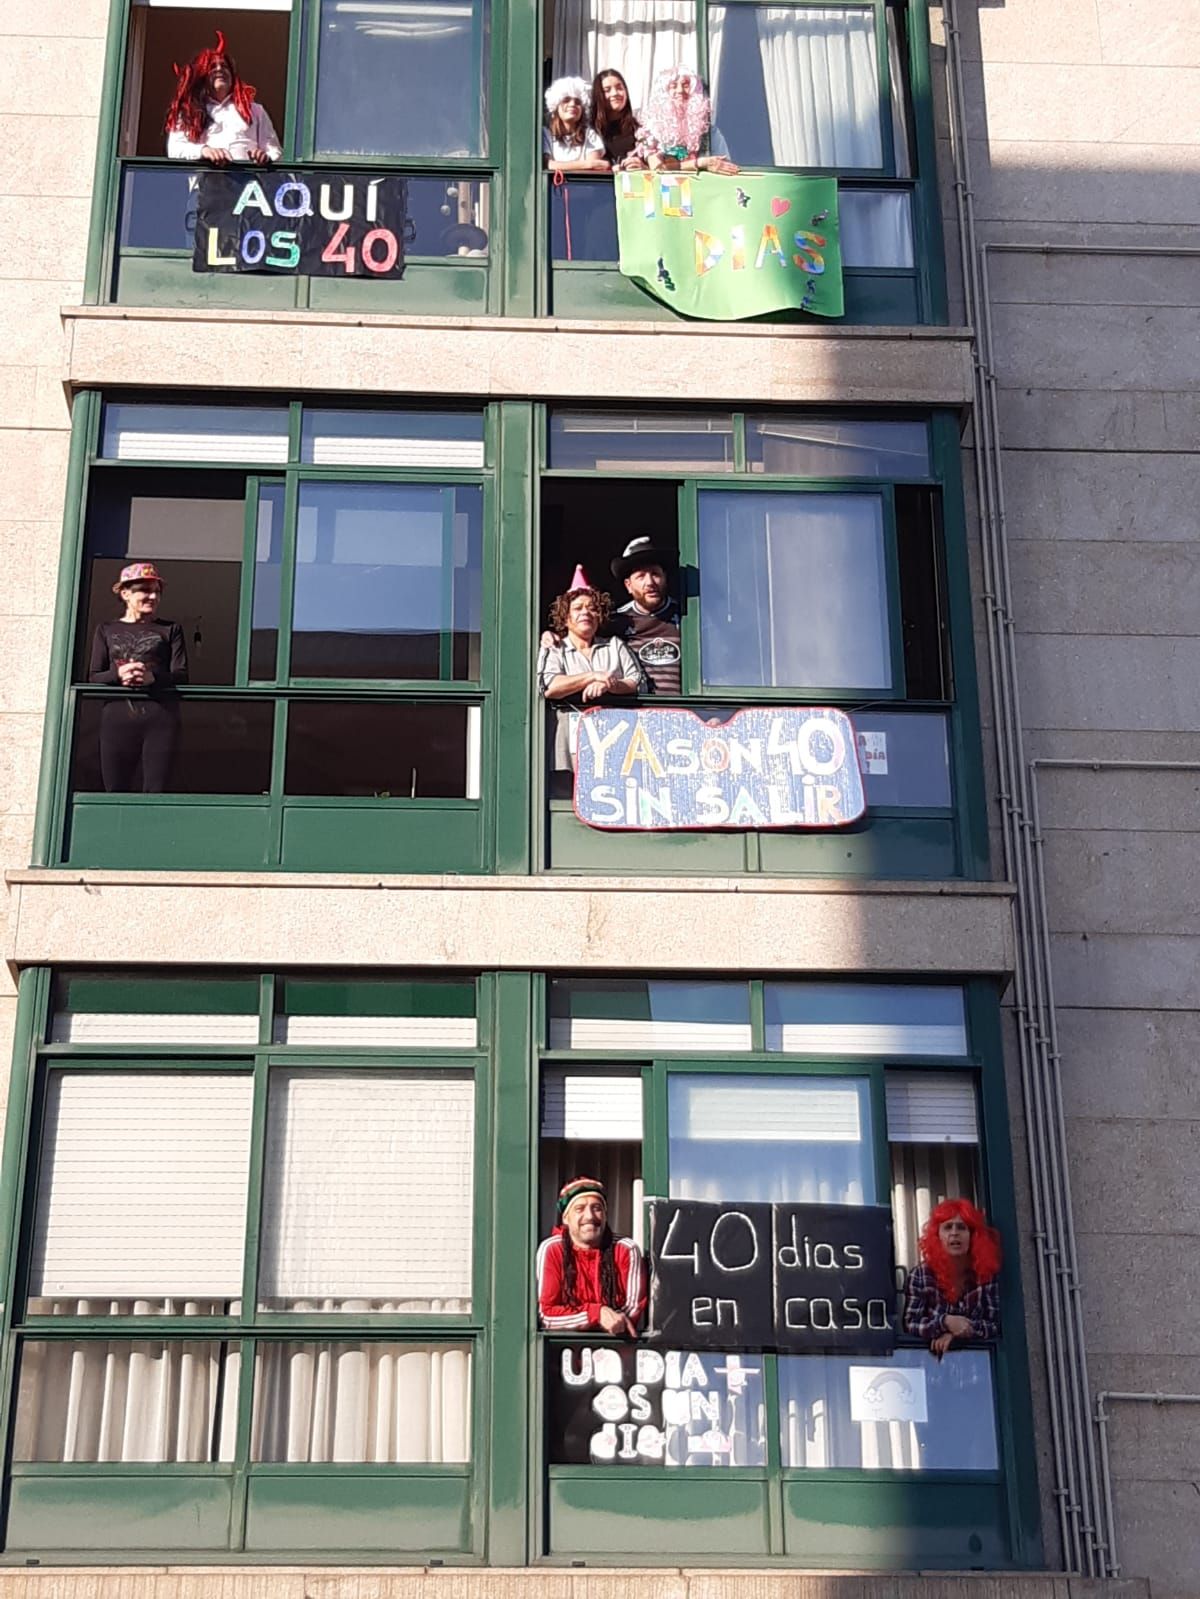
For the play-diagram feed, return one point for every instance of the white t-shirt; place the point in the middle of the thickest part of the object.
(558, 151)
(227, 129)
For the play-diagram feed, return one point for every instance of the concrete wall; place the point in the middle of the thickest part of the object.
(1084, 130)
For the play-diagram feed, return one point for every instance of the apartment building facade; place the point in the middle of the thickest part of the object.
(305, 1044)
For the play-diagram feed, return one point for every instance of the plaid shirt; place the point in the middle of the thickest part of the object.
(926, 1307)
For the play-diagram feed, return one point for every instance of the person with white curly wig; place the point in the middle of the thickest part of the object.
(570, 143)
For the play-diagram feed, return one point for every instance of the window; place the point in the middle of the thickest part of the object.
(261, 1179)
(810, 564)
(327, 569)
(854, 1093)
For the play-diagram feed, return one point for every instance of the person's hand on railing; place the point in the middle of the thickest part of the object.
(215, 155)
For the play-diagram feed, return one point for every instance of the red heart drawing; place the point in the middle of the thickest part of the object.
(778, 207)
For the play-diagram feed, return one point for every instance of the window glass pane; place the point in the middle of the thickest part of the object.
(142, 1187)
(583, 218)
(796, 86)
(190, 525)
(367, 1191)
(803, 446)
(374, 751)
(268, 568)
(925, 627)
(138, 432)
(402, 77)
(395, 1403)
(793, 591)
(772, 1139)
(603, 1013)
(905, 757)
(865, 1018)
(133, 745)
(875, 227)
(392, 438)
(909, 1413)
(119, 1008)
(638, 39)
(158, 206)
(116, 1400)
(691, 1409)
(449, 216)
(430, 1012)
(608, 441)
(388, 581)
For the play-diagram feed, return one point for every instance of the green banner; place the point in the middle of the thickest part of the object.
(726, 248)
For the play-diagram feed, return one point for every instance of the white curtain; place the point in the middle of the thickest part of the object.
(97, 1400)
(362, 1402)
(922, 1176)
(821, 79)
(638, 37)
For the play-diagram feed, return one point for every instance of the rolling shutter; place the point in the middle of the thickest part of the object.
(931, 1108)
(591, 1106)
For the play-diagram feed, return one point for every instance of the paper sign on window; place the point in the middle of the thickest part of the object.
(872, 753)
(887, 1393)
(327, 224)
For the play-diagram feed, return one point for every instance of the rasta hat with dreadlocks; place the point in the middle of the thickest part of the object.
(188, 111)
(568, 1194)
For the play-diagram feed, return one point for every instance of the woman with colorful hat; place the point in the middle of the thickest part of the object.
(146, 656)
(575, 667)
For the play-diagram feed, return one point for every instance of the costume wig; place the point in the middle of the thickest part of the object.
(671, 124)
(983, 1261)
(560, 610)
(188, 111)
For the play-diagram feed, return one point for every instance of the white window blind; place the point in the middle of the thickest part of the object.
(136, 432)
(770, 1112)
(226, 5)
(143, 1185)
(610, 1032)
(142, 1027)
(368, 1186)
(412, 1032)
(591, 1105)
(931, 1108)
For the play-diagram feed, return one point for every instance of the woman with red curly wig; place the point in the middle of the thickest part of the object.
(955, 1292)
(214, 115)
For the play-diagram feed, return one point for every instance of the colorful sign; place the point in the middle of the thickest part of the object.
(728, 248)
(332, 224)
(798, 1279)
(658, 769)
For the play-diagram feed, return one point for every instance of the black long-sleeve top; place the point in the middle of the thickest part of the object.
(158, 644)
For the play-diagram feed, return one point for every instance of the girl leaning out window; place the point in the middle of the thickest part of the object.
(570, 143)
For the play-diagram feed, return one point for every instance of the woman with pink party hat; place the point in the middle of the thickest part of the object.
(582, 670)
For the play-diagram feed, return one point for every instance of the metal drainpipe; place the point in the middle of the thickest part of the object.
(1085, 1511)
(1111, 1395)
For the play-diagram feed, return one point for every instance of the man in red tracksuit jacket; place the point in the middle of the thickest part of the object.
(586, 1277)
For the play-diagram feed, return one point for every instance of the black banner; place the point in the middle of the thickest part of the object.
(327, 224)
(797, 1279)
(630, 1405)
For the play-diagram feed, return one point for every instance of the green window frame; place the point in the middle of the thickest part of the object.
(243, 1501)
(811, 1515)
(278, 828)
(961, 823)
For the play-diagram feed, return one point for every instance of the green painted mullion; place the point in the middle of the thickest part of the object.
(33, 996)
(927, 219)
(881, 1158)
(966, 736)
(739, 441)
(758, 1020)
(1014, 1401)
(54, 771)
(287, 575)
(241, 673)
(702, 61)
(883, 64)
(241, 1449)
(106, 179)
(520, 216)
(508, 741)
(689, 598)
(891, 556)
(507, 1383)
(254, 1189)
(308, 110)
(266, 1009)
(775, 1517)
(292, 109)
(278, 774)
(656, 1147)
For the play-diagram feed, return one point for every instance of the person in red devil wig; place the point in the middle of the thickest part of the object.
(214, 115)
(954, 1294)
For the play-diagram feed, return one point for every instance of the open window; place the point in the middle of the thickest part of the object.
(165, 32)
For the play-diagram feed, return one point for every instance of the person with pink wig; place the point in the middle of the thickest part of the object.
(674, 125)
(954, 1293)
